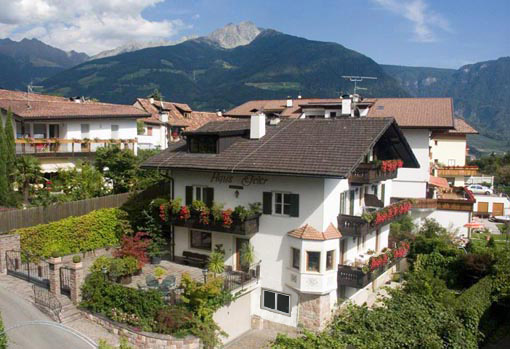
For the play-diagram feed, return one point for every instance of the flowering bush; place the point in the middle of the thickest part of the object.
(184, 213)
(227, 218)
(391, 165)
(163, 212)
(135, 246)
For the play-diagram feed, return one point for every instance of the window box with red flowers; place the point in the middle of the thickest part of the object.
(387, 214)
(240, 221)
(375, 171)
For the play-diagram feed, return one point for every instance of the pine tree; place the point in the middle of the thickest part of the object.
(4, 192)
(10, 163)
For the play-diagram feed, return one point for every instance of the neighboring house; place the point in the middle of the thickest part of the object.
(419, 119)
(315, 179)
(59, 130)
(167, 121)
(448, 153)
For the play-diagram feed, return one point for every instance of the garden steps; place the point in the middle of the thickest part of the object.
(69, 311)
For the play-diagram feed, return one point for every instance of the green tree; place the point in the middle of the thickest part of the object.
(28, 172)
(117, 165)
(4, 192)
(10, 145)
(3, 337)
(84, 181)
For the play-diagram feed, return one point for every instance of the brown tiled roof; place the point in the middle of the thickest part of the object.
(194, 120)
(304, 147)
(307, 232)
(408, 112)
(8, 94)
(415, 112)
(58, 109)
(462, 127)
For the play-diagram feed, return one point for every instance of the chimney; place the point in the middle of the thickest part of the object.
(151, 100)
(289, 102)
(219, 113)
(164, 117)
(258, 126)
(299, 97)
(346, 106)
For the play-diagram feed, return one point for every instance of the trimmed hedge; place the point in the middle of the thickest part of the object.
(94, 230)
(473, 303)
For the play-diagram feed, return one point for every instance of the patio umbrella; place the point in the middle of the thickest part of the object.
(474, 225)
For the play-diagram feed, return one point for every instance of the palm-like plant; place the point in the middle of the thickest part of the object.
(247, 255)
(28, 171)
(216, 262)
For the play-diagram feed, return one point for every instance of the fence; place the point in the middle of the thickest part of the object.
(15, 219)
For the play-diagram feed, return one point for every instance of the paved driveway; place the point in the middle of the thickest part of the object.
(15, 310)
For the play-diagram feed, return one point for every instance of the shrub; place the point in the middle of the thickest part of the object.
(115, 267)
(159, 273)
(3, 336)
(104, 297)
(94, 230)
(174, 320)
(472, 267)
(76, 259)
(135, 246)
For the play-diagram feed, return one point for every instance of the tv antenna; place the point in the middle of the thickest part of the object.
(30, 89)
(356, 79)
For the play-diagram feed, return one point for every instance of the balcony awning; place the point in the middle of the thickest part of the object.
(439, 182)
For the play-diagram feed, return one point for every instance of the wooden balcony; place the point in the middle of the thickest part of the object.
(67, 147)
(355, 277)
(352, 225)
(455, 171)
(248, 227)
(370, 173)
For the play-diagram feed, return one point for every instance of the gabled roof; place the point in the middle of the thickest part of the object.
(415, 112)
(9, 94)
(307, 232)
(176, 117)
(433, 113)
(60, 109)
(300, 147)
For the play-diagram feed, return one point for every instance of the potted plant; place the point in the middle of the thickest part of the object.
(247, 256)
(216, 262)
(159, 273)
(154, 250)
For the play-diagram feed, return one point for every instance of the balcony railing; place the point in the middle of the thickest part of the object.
(359, 226)
(371, 173)
(249, 226)
(233, 279)
(355, 277)
(48, 146)
(453, 171)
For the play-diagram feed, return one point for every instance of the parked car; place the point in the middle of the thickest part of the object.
(480, 189)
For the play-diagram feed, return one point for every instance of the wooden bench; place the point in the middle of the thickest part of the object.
(193, 258)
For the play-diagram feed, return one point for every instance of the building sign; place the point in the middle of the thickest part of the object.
(223, 178)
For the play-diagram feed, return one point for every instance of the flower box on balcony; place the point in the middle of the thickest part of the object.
(247, 227)
(367, 173)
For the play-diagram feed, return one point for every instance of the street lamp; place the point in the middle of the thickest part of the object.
(104, 270)
(204, 272)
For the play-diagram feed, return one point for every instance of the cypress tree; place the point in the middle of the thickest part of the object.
(10, 145)
(4, 192)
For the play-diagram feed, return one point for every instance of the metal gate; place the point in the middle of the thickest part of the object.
(65, 281)
(20, 264)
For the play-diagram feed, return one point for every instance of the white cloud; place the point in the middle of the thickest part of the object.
(425, 21)
(84, 25)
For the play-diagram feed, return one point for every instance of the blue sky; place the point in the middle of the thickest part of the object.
(437, 33)
(447, 33)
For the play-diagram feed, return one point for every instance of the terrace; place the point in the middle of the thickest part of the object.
(367, 173)
(454, 171)
(57, 146)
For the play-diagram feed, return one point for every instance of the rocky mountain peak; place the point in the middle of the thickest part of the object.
(233, 35)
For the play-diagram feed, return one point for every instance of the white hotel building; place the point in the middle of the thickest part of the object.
(314, 180)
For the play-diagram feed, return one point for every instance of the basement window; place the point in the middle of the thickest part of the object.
(275, 301)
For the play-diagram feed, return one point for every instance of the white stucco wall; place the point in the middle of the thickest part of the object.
(412, 182)
(452, 220)
(490, 200)
(157, 140)
(449, 151)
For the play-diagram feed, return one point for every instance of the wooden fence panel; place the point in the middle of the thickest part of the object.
(15, 219)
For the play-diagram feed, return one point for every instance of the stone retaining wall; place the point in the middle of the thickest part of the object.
(145, 340)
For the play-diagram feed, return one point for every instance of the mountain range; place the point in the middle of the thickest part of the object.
(242, 62)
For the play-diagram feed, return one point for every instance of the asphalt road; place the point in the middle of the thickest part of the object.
(15, 310)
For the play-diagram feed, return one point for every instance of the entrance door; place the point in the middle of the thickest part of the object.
(483, 207)
(239, 245)
(54, 131)
(342, 250)
(498, 209)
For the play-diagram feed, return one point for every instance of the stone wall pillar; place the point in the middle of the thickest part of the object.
(7, 242)
(75, 282)
(314, 311)
(54, 271)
